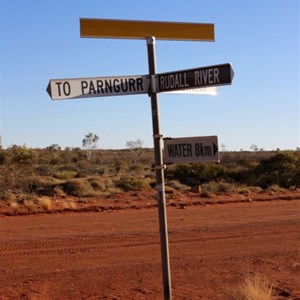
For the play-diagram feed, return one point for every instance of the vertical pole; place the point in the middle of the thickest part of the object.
(157, 138)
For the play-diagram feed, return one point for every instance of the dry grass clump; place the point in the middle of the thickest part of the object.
(29, 204)
(100, 184)
(65, 175)
(69, 204)
(219, 187)
(58, 191)
(15, 207)
(10, 197)
(176, 185)
(46, 203)
(253, 287)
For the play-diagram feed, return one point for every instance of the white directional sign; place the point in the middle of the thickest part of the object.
(201, 80)
(59, 89)
(191, 149)
(195, 78)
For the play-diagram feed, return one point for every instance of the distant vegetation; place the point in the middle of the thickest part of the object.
(53, 171)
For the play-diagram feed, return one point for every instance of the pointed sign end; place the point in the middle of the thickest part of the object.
(215, 149)
(49, 90)
(231, 72)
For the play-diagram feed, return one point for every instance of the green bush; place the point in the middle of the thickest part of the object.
(77, 188)
(195, 174)
(282, 169)
(132, 183)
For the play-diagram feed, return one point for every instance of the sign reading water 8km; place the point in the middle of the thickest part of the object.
(191, 149)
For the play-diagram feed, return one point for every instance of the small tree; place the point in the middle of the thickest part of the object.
(54, 147)
(90, 143)
(254, 147)
(136, 148)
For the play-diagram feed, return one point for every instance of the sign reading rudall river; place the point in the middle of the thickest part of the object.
(195, 78)
(191, 149)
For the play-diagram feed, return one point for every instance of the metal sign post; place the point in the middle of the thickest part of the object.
(159, 167)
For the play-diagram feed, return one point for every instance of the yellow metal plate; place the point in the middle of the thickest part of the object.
(106, 28)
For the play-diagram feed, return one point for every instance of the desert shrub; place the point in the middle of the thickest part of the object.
(132, 183)
(253, 287)
(176, 185)
(87, 168)
(45, 203)
(77, 188)
(2, 156)
(137, 168)
(65, 175)
(18, 169)
(9, 197)
(45, 170)
(100, 183)
(22, 156)
(219, 187)
(97, 184)
(69, 204)
(15, 206)
(46, 186)
(280, 169)
(58, 191)
(29, 204)
(120, 165)
(195, 174)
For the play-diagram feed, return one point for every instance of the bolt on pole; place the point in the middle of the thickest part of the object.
(159, 167)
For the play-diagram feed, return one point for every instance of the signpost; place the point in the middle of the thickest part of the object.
(191, 149)
(59, 89)
(193, 80)
(74, 88)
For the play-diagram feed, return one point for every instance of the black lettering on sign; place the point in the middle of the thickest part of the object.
(58, 87)
(139, 82)
(105, 86)
(201, 150)
(92, 89)
(116, 85)
(100, 86)
(131, 84)
(66, 88)
(84, 85)
(124, 85)
(108, 86)
(179, 150)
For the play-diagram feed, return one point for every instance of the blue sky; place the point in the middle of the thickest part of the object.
(40, 40)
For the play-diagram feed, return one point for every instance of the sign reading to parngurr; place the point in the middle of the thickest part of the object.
(59, 89)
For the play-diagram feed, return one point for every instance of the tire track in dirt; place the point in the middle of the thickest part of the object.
(85, 243)
(73, 245)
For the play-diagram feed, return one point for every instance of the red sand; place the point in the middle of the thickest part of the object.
(110, 249)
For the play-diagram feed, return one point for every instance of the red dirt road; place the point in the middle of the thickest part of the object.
(116, 254)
